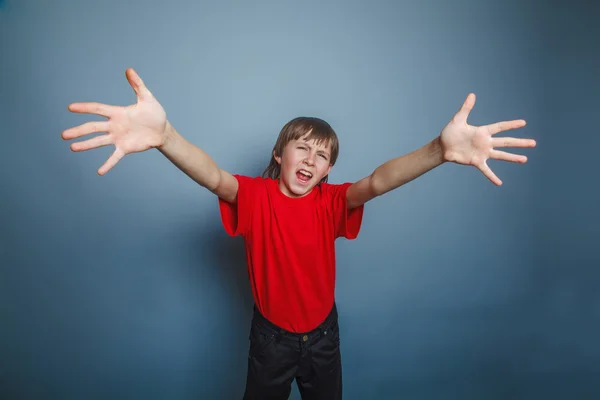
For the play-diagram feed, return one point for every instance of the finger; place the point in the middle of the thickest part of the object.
(505, 126)
(512, 142)
(103, 110)
(504, 156)
(116, 156)
(92, 143)
(86, 129)
(137, 84)
(489, 174)
(463, 113)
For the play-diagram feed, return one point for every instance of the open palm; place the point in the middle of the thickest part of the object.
(474, 145)
(134, 128)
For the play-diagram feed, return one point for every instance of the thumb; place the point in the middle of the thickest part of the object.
(463, 113)
(137, 84)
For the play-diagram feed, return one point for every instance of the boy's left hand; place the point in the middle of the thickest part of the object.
(474, 145)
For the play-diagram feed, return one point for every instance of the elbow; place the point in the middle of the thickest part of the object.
(376, 185)
(213, 181)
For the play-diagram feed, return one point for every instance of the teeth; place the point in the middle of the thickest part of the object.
(305, 173)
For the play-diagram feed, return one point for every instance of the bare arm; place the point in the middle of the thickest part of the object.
(395, 173)
(198, 165)
(143, 126)
(458, 142)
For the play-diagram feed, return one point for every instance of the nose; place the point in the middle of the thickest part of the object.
(309, 160)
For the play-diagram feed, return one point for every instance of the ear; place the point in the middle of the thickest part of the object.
(276, 157)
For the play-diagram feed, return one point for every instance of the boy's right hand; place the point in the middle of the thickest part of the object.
(135, 128)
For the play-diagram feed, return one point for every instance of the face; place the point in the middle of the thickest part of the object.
(303, 165)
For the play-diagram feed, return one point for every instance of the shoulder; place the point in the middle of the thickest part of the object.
(254, 185)
(248, 178)
(251, 180)
(333, 189)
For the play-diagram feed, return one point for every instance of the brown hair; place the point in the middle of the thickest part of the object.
(319, 130)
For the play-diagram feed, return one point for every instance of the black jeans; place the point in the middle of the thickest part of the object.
(277, 357)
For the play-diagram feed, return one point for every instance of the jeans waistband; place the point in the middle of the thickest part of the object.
(281, 333)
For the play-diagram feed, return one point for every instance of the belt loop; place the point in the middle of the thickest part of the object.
(322, 331)
(279, 335)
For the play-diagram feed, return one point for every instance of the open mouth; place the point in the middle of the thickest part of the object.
(303, 176)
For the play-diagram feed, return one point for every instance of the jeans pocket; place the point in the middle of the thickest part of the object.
(333, 334)
(259, 340)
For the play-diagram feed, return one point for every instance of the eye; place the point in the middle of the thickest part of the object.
(323, 156)
(302, 147)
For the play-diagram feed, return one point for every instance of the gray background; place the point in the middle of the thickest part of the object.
(126, 286)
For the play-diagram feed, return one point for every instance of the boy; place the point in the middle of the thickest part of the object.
(289, 219)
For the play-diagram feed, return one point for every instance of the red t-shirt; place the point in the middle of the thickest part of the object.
(290, 248)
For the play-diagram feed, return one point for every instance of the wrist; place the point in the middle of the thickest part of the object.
(436, 150)
(167, 135)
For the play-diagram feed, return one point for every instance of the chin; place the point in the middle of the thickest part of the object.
(299, 190)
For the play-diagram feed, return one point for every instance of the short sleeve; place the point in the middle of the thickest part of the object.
(347, 222)
(236, 216)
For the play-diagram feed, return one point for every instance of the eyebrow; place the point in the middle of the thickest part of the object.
(319, 151)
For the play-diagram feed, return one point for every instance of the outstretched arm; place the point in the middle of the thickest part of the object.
(198, 165)
(143, 126)
(458, 142)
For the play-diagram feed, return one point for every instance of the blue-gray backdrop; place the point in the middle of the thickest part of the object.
(126, 286)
